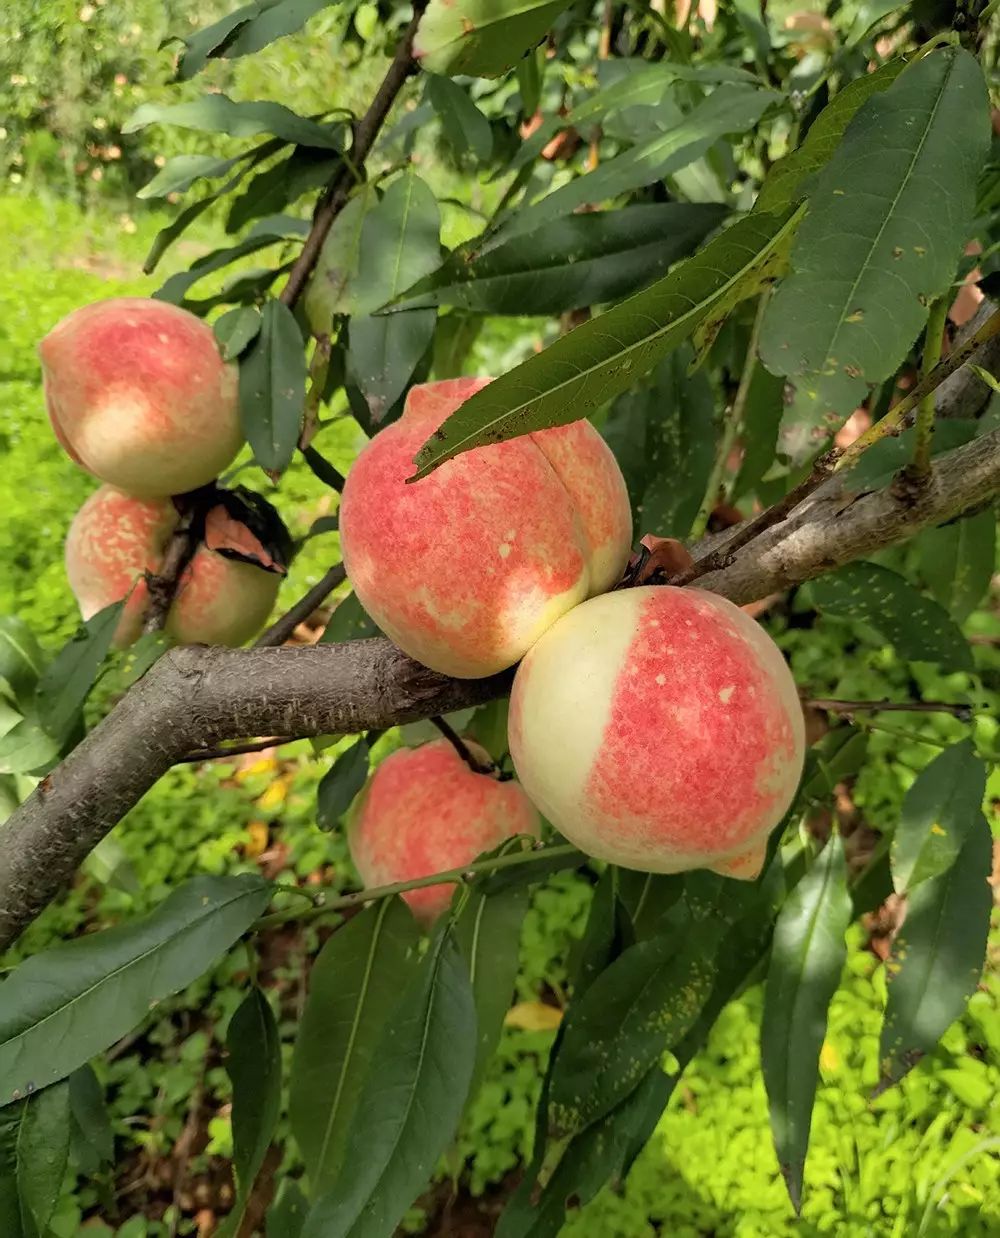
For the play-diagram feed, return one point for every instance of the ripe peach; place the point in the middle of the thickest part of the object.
(222, 598)
(425, 811)
(138, 395)
(465, 569)
(660, 729)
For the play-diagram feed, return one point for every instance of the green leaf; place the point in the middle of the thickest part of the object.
(354, 986)
(602, 936)
(65, 1005)
(176, 287)
(400, 243)
(220, 114)
(42, 1154)
(410, 1102)
(488, 933)
(640, 1005)
(245, 31)
(349, 621)
(10, 1203)
(648, 898)
(937, 957)
(887, 221)
(66, 683)
(919, 628)
(273, 387)
(481, 38)
(179, 173)
(839, 754)
(789, 179)
(807, 958)
(464, 125)
(586, 368)
(331, 288)
(761, 419)
(253, 1045)
(21, 657)
(941, 809)
(282, 184)
(581, 260)
(91, 1123)
(728, 109)
(27, 748)
(341, 783)
(288, 1213)
(236, 329)
(957, 561)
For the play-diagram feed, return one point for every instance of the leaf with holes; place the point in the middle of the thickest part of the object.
(65, 1005)
(920, 629)
(585, 369)
(803, 973)
(272, 388)
(888, 217)
(354, 986)
(481, 38)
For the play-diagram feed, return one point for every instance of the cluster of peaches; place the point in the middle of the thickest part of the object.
(655, 727)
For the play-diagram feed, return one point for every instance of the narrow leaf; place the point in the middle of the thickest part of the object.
(272, 388)
(937, 957)
(957, 561)
(246, 31)
(63, 1006)
(287, 1215)
(941, 809)
(410, 1102)
(354, 986)
(481, 38)
(179, 173)
(341, 783)
(602, 358)
(464, 125)
(919, 628)
(331, 288)
(236, 329)
(42, 1154)
(90, 1119)
(21, 657)
(66, 683)
(220, 114)
(806, 961)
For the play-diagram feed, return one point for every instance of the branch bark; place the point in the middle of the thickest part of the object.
(200, 697)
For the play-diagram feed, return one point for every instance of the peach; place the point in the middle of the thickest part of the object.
(424, 811)
(222, 597)
(139, 396)
(465, 569)
(659, 729)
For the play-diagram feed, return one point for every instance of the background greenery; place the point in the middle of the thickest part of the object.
(923, 1159)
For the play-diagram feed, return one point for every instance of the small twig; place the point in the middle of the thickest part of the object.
(197, 755)
(462, 748)
(319, 369)
(281, 629)
(466, 873)
(323, 469)
(963, 712)
(732, 424)
(162, 585)
(339, 190)
(924, 427)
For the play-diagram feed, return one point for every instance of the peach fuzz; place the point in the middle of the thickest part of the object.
(465, 569)
(115, 538)
(426, 811)
(139, 396)
(659, 729)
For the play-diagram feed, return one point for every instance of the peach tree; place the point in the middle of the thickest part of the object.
(769, 262)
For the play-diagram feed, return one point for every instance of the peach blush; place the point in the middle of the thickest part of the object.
(139, 396)
(659, 729)
(426, 811)
(115, 538)
(465, 569)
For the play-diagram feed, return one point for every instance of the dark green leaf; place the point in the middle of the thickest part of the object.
(838, 755)
(937, 956)
(455, 337)
(601, 941)
(789, 179)
(540, 869)
(383, 353)
(272, 388)
(887, 221)
(354, 986)
(288, 1212)
(489, 935)
(179, 173)
(349, 621)
(602, 358)
(65, 1005)
(175, 289)
(728, 109)
(957, 561)
(464, 125)
(91, 1122)
(220, 114)
(806, 961)
(761, 419)
(918, 627)
(236, 329)
(10, 1203)
(941, 809)
(581, 260)
(410, 1102)
(42, 1154)
(250, 28)
(21, 657)
(66, 682)
(341, 783)
(481, 38)
(640, 1005)
(277, 187)
(648, 898)
(254, 1066)
(331, 288)
(884, 459)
